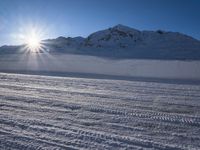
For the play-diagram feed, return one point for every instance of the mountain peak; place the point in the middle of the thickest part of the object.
(124, 28)
(61, 37)
(120, 26)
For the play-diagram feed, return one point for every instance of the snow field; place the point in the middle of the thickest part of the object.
(42, 112)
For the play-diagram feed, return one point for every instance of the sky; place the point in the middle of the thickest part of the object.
(54, 18)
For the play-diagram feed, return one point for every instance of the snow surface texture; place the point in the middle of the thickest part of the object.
(89, 64)
(38, 112)
(123, 42)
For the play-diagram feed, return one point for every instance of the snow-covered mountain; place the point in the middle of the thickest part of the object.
(124, 42)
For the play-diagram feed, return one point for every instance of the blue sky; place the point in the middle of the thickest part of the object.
(82, 17)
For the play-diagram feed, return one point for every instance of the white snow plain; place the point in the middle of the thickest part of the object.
(43, 112)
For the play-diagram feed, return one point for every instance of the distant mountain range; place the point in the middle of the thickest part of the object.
(122, 42)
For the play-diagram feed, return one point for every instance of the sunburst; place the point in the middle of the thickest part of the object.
(33, 40)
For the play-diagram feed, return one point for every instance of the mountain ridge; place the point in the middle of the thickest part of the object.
(125, 43)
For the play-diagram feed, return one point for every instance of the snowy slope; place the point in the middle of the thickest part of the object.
(124, 42)
(38, 112)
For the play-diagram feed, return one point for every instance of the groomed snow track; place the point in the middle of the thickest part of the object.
(42, 112)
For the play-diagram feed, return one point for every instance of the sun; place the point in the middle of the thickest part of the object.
(31, 37)
(33, 41)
